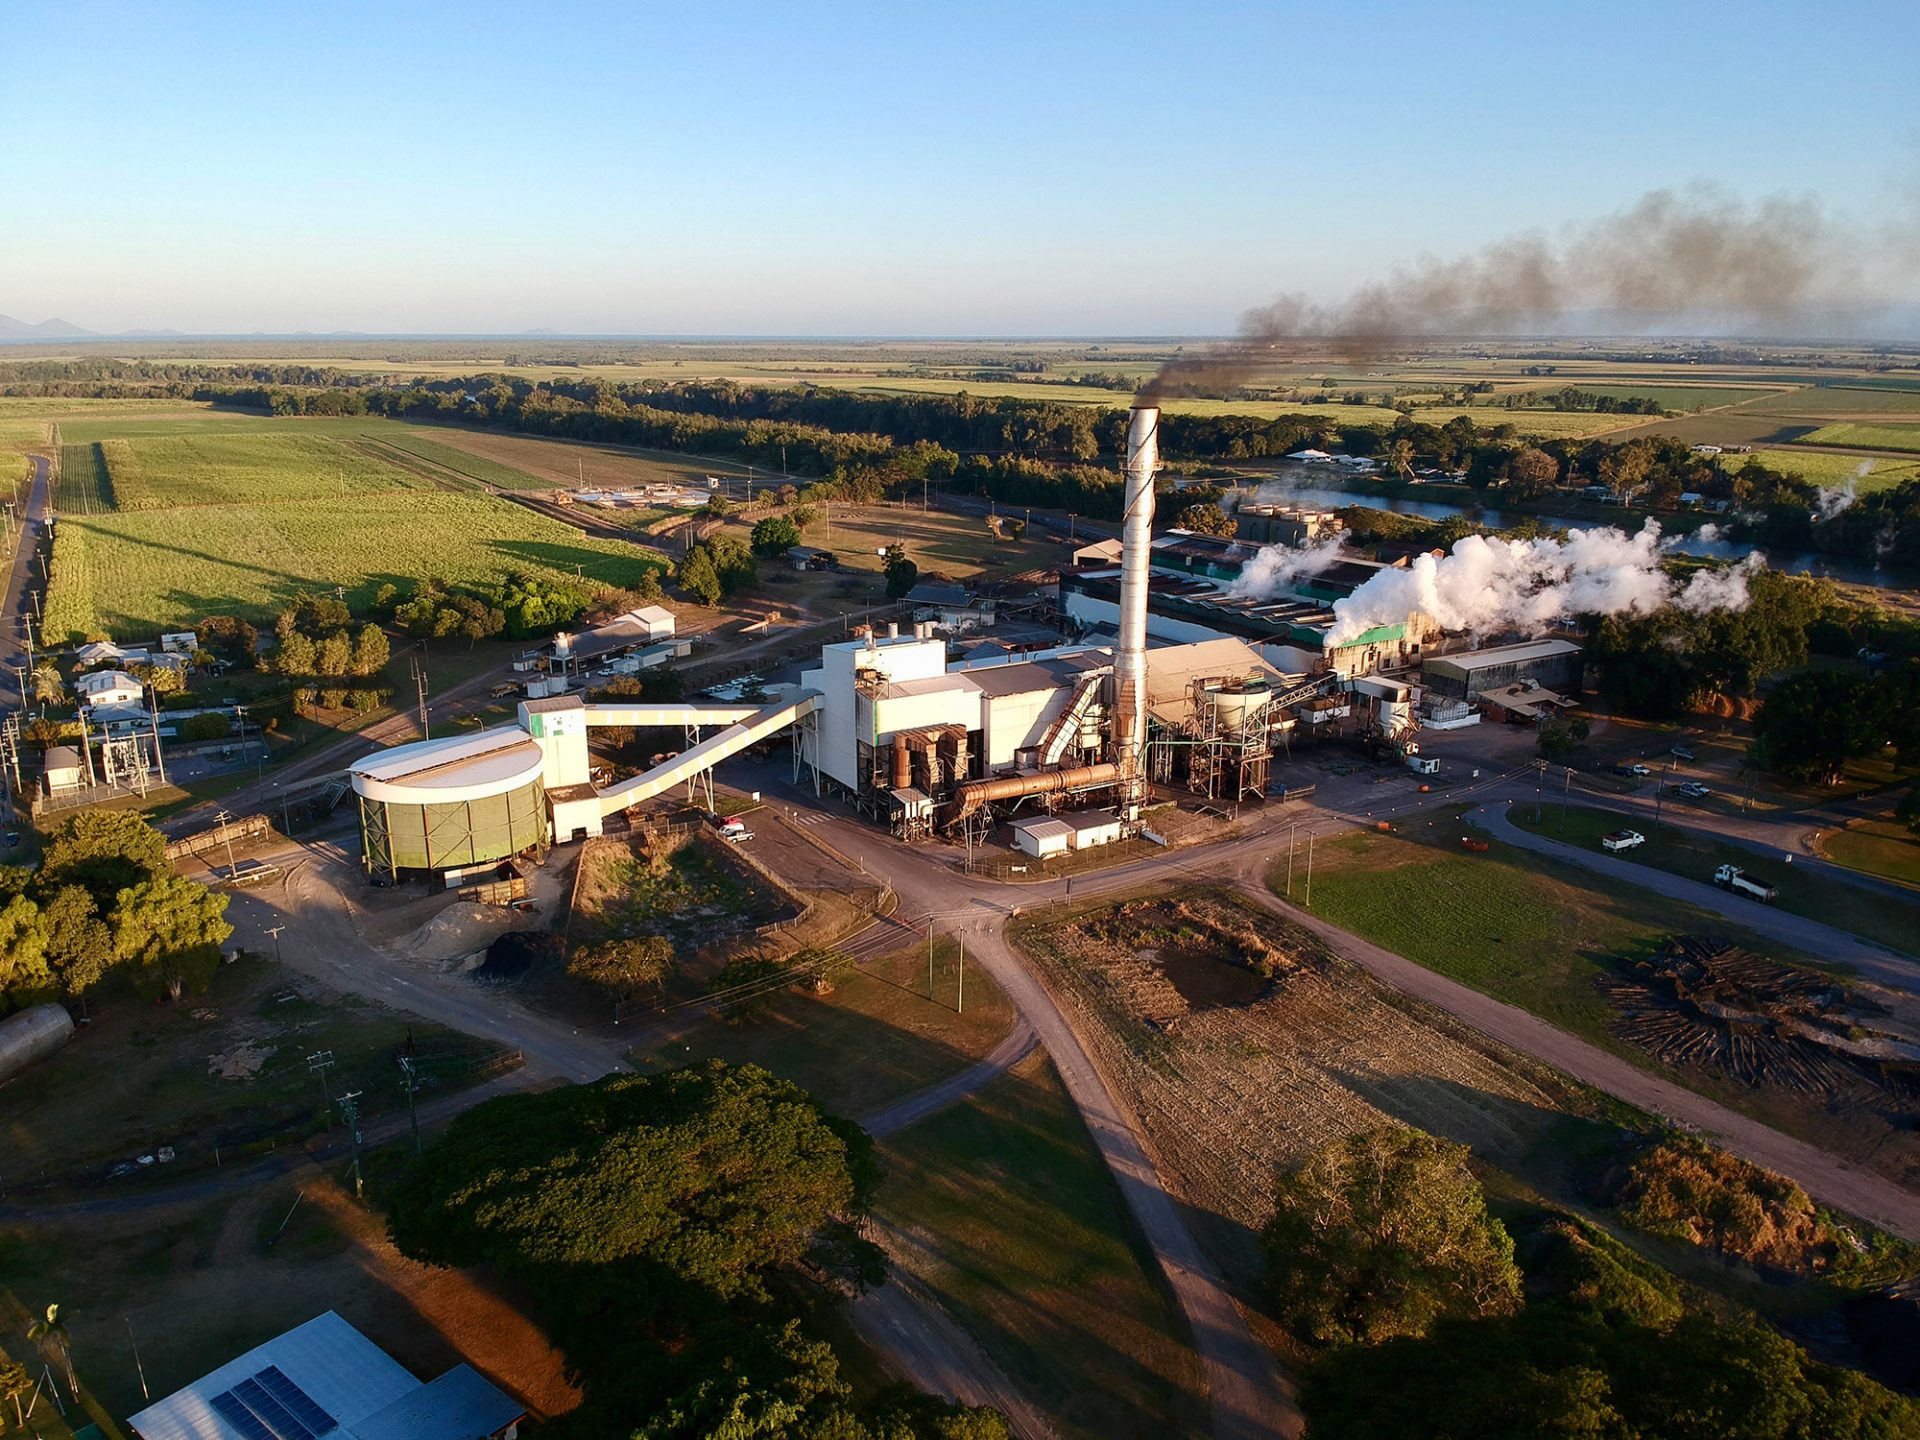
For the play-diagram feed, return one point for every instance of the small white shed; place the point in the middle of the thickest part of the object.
(1093, 827)
(63, 768)
(1042, 836)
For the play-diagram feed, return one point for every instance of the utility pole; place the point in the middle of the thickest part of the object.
(929, 957)
(1309, 899)
(226, 836)
(420, 687)
(141, 1370)
(411, 1079)
(1539, 772)
(960, 1008)
(1566, 796)
(274, 930)
(350, 1111)
(1290, 833)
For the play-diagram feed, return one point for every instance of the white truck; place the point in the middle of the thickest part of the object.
(1732, 877)
(1622, 840)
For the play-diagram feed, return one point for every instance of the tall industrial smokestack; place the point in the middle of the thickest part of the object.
(1130, 659)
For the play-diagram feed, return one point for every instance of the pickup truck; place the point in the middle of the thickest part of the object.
(1694, 790)
(1732, 877)
(1634, 770)
(734, 831)
(1622, 840)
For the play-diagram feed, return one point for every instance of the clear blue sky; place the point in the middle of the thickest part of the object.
(880, 169)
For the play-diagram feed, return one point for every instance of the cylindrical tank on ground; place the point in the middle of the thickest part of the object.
(31, 1036)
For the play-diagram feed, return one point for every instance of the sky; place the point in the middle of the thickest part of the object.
(886, 169)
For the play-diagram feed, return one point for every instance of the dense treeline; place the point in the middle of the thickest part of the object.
(1020, 451)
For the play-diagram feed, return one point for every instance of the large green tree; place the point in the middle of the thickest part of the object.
(775, 535)
(106, 851)
(1382, 1234)
(1813, 723)
(713, 1173)
(169, 929)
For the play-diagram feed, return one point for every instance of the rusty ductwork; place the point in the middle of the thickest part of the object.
(975, 793)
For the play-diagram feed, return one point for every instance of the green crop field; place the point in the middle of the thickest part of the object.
(137, 573)
(1824, 468)
(1865, 437)
(1846, 402)
(166, 471)
(1671, 397)
(165, 519)
(456, 465)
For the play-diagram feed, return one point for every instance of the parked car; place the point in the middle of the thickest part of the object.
(1681, 752)
(1622, 840)
(1694, 790)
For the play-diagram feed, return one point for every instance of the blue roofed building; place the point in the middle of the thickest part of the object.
(326, 1379)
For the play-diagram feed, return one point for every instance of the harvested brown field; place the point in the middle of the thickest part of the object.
(566, 464)
(1241, 1044)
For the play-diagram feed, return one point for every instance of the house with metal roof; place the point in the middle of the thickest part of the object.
(326, 1379)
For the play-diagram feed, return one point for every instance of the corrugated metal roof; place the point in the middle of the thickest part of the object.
(460, 1405)
(504, 748)
(1503, 655)
(1171, 671)
(1042, 827)
(1021, 677)
(346, 1374)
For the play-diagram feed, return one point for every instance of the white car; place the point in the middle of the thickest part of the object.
(1622, 840)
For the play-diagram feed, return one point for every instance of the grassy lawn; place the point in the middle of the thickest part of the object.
(1877, 917)
(874, 1038)
(227, 1069)
(1876, 847)
(1030, 1248)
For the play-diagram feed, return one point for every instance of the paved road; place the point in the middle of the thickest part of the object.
(1823, 942)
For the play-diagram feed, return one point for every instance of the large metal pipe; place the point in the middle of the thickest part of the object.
(1130, 654)
(975, 793)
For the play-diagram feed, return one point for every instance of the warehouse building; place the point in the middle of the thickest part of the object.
(325, 1378)
(1556, 665)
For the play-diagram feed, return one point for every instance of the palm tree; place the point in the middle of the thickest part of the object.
(48, 687)
(51, 1333)
(15, 1381)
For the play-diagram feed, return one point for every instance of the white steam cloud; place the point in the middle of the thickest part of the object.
(1488, 584)
(1277, 566)
(1835, 498)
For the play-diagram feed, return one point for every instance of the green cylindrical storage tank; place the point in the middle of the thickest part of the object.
(444, 805)
(31, 1036)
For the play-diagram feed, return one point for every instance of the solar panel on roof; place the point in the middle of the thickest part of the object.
(303, 1405)
(229, 1408)
(277, 1417)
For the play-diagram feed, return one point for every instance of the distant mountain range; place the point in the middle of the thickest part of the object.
(12, 329)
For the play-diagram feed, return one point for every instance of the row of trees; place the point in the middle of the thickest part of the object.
(1038, 452)
(1433, 1321)
(104, 898)
(664, 1224)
